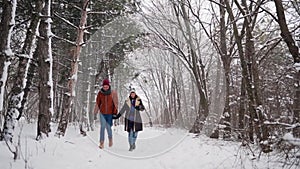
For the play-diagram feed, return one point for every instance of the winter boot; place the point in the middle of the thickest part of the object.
(101, 146)
(131, 148)
(110, 143)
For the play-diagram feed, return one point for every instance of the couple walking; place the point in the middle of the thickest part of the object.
(107, 108)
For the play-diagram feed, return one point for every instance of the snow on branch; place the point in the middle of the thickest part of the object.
(96, 12)
(65, 20)
(291, 139)
(63, 39)
(289, 126)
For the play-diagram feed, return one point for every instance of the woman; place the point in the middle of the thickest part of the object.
(133, 121)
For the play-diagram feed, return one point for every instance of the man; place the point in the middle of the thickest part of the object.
(107, 106)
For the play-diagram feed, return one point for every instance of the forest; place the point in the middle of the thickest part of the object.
(226, 69)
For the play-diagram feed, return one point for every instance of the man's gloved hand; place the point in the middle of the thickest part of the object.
(95, 116)
(151, 125)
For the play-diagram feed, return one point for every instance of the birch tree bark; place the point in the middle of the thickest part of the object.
(6, 54)
(18, 94)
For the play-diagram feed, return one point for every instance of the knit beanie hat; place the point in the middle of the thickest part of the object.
(132, 90)
(105, 82)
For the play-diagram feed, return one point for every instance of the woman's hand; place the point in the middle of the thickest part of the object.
(141, 107)
(116, 116)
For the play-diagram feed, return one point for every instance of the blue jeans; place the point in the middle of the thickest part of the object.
(105, 123)
(132, 135)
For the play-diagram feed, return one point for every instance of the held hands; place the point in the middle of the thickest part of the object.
(116, 116)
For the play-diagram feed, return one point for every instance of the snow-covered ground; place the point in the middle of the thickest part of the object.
(157, 148)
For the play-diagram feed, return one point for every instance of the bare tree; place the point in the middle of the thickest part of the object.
(197, 66)
(250, 13)
(238, 37)
(6, 54)
(44, 55)
(226, 60)
(27, 63)
(70, 93)
(225, 47)
(18, 95)
(294, 50)
(189, 55)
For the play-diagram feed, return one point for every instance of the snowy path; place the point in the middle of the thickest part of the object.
(156, 149)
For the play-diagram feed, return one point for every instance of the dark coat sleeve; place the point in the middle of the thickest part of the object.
(122, 111)
(140, 107)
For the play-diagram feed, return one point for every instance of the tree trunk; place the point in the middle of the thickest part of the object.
(197, 68)
(296, 106)
(44, 55)
(70, 93)
(294, 50)
(222, 50)
(215, 113)
(18, 92)
(15, 106)
(245, 72)
(184, 111)
(202, 113)
(226, 60)
(6, 27)
(260, 128)
(242, 111)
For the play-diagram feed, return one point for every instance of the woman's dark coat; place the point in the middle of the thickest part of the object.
(138, 124)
